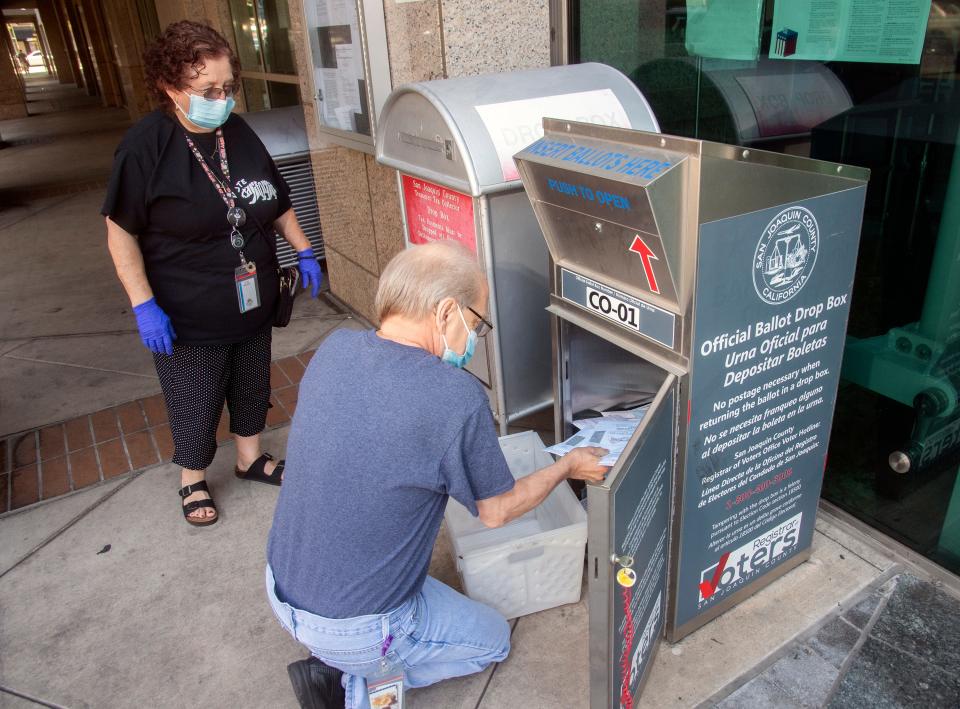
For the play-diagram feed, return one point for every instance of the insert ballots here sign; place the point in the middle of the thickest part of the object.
(768, 344)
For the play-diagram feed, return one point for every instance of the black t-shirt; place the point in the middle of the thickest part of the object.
(159, 193)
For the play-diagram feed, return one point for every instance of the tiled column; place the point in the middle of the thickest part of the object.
(96, 31)
(55, 39)
(86, 67)
(216, 12)
(66, 30)
(12, 104)
(495, 35)
(127, 43)
(414, 41)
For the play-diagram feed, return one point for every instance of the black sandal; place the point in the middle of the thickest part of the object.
(256, 472)
(188, 490)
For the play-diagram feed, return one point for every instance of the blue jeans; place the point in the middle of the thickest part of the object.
(437, 634)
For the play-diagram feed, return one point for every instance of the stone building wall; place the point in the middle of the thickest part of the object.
(431, 39)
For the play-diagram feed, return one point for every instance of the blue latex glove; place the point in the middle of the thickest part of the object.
(310, 271)
(156, 332)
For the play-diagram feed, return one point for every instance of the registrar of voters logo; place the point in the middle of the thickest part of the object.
(786, 255)
(751, 559)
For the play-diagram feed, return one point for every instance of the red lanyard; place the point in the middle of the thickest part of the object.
(224, 190)
(626, 661)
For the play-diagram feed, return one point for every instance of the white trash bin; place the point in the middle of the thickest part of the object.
(536, 561)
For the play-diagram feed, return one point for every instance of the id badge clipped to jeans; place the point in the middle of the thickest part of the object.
(385, 687)
(248, 294)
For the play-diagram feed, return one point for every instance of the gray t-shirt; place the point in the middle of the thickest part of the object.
(383, 434)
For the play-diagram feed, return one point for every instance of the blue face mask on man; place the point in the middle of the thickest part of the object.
(208, 113)
(460, 360)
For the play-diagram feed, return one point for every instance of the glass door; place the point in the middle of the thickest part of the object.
(262, 32)
(869, 84)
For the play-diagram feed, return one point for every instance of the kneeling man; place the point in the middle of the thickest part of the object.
(388, 426)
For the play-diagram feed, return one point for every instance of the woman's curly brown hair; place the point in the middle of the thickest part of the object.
(177, 55)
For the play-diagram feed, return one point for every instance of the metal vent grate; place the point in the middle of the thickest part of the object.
(297, 172)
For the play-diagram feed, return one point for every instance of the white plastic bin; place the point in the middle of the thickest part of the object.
(532, 563)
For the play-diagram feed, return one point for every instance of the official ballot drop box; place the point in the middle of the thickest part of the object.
(452, 142)
(712, 282)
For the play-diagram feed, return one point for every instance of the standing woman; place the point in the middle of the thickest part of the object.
(189, 211)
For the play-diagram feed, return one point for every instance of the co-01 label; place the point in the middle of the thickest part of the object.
(625, 310)
(614, 308)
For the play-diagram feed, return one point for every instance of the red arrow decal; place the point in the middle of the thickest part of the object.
(646, 253)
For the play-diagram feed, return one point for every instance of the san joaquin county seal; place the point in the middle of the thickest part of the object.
(786, 255)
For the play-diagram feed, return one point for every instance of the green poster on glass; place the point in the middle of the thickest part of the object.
(877, 31)
(724, 29)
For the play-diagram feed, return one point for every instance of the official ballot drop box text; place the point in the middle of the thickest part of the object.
(713, 282)
(452, 142)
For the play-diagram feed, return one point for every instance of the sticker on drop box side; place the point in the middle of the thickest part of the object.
(625, 310)
(248, 294)
(626, 577)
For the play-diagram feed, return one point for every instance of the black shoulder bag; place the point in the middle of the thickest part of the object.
(288, 276)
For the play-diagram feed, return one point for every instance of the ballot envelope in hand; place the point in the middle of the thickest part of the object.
(613, 430)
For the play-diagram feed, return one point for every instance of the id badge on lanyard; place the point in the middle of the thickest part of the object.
(248, 293)
(245, 275)
(385, 686)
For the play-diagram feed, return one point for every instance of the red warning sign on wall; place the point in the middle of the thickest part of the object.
(435, 213)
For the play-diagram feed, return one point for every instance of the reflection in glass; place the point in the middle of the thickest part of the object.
(282, 94)
(274, 23)
(256, 93)
(246, 33)
(895, 446)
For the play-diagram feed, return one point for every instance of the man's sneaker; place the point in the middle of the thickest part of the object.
(316, 685)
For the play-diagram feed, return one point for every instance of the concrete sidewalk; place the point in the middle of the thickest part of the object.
(110, 600)
(65, 146)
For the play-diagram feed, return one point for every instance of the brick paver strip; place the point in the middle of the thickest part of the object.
(25, 449)
(52, 444)
(105, 425)
(141, 450)
(131, 417)
(288, 397)
(164, 439)
(276, 414)
(293, 368)
(113, 458)
(54, 478)
(277, 377)
(155, 409)
(114, 441)
(78, 433)
(26, 487)
(84, 469)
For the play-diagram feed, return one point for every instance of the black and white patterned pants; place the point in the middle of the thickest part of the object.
(197, 379)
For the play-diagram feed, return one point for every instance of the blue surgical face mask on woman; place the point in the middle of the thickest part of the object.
(208, 113)
(460, 360)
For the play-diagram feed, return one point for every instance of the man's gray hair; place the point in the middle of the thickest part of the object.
(418, 278)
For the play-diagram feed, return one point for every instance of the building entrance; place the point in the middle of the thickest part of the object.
(880, 92)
